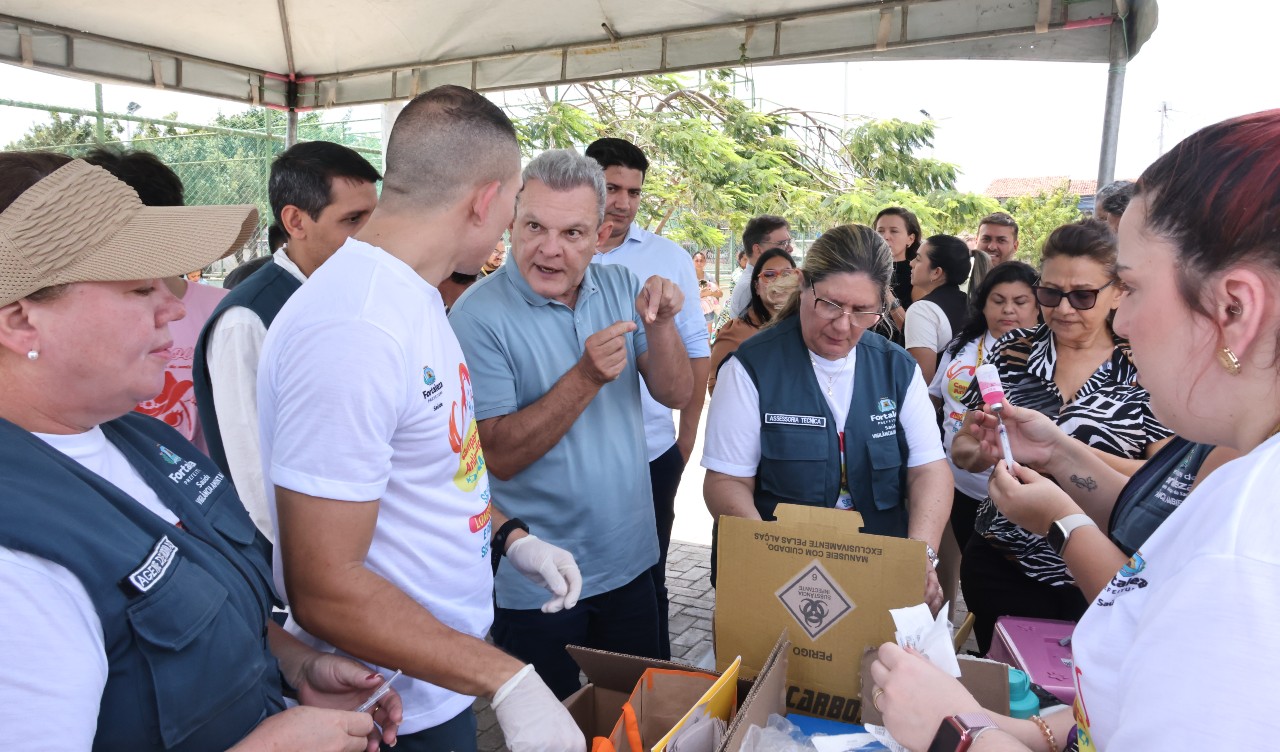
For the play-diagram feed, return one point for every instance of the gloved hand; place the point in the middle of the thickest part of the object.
(531, 717)
(551, 567)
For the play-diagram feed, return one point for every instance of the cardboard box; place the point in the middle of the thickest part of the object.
(612, 676)
(814, 574)
(986, 680)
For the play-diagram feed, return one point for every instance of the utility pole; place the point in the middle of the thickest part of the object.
(1164, 117)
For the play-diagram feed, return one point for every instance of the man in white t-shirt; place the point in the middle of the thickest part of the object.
(646, 255)
(381, 493)
(321, 193)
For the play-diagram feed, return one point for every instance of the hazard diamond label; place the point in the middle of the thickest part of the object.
(815, 600)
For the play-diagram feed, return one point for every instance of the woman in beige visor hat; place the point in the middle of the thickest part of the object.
(135, 593)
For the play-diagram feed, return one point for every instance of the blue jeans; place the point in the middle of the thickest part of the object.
(457, 734)
(623, 620)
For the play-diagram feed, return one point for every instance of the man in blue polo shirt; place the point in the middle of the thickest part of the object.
(556, 347)
(646, 255)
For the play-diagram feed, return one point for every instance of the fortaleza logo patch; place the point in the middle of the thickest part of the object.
(428, 375)
(887, 405)
(815, 600)
(157, 563)
(168, 455)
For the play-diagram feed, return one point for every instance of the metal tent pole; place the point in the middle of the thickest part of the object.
(1119, 59)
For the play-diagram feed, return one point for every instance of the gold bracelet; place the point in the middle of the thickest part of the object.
(1048, 733)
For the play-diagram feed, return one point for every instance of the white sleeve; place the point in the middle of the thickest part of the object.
(939, 376)
(235, 349)
(53, 665)
(922, 327)
(1226, 674)
(732, 442)
(336, 399)
(689, 321)
(920, 421)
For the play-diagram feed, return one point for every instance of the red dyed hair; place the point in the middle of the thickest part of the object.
(1216, 195)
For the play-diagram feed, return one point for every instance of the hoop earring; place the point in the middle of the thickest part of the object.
(1229, 361)
(33, 354)
(1234, 309)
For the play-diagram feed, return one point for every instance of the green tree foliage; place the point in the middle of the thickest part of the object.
(216, 167)
(1040, 215)
(73, 134)
(717, 161)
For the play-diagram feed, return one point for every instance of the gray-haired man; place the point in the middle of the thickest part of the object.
(556, 347)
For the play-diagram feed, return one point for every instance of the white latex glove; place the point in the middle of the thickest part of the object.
(551, 567)
(531, 717)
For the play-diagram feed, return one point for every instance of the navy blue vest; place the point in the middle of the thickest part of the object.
(265, 292)
(1154, 491)
(183, 609)
(799, 441)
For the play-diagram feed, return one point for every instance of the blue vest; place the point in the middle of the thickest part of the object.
(1154, 491)
(800, 443)
(183, 609)
(265, 292)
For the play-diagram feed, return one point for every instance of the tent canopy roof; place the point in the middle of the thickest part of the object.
(319, 53)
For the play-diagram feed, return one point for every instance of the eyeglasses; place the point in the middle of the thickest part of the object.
(771, 274)
(1081, 300)
(829, 311)
(778, 244)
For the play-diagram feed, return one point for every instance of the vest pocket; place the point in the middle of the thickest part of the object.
(205, 663)
(793, 464)
(886, 471)
(228, 516)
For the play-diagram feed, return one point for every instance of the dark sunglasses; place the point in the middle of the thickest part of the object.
(1081, 300)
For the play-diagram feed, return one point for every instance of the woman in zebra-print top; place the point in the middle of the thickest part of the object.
(1075, 370)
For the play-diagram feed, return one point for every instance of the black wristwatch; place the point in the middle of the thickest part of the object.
(1060, 531)
(498, 547)
(958, 732)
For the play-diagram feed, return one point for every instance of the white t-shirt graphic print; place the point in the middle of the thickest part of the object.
(1178, 651)
(363, 394)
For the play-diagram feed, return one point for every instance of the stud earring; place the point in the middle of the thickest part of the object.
(32, 354)
(1229, 361)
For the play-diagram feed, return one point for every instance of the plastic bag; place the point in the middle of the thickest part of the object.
(779, 735)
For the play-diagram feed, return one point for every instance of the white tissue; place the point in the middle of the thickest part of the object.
(917, 629)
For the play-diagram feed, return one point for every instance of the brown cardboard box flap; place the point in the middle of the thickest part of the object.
(830, 587)
(767, 696)
(659, 700)
(840, 519)
(987, 681)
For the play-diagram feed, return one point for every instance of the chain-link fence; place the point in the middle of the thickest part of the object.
(225, 162)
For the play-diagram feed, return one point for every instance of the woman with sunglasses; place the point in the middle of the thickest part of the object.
(1003, 302)
(771, 285)
(1174, 653)
(816, 410)
(1074, 369)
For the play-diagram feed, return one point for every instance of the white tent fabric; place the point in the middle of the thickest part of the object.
(319, 53)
